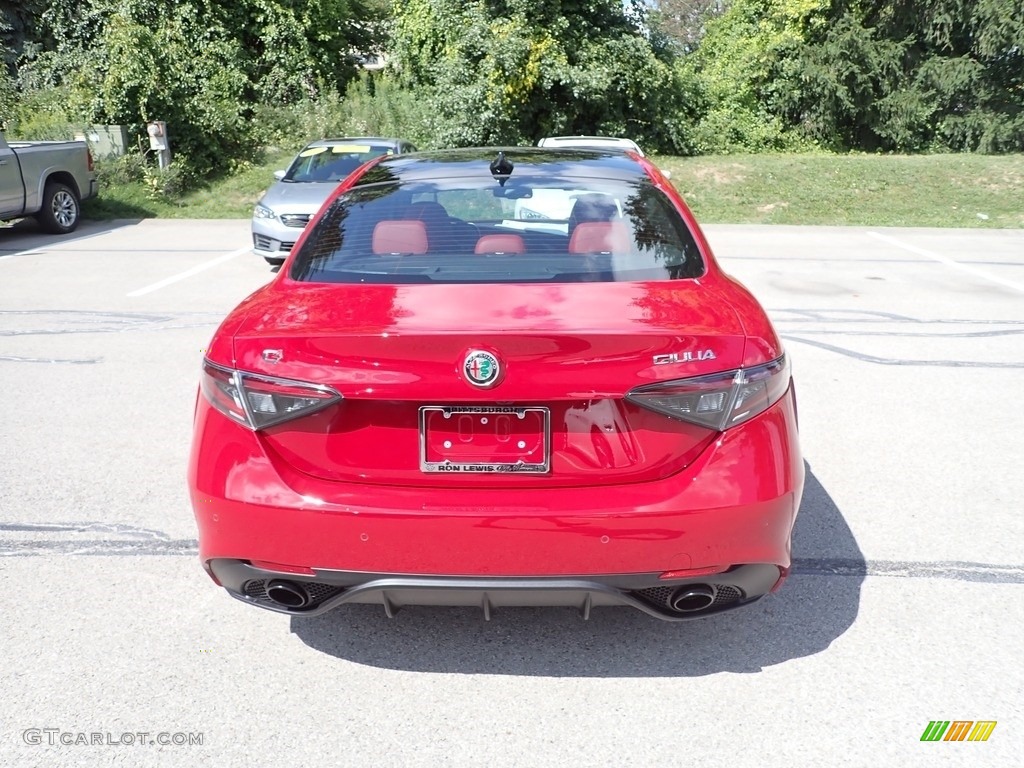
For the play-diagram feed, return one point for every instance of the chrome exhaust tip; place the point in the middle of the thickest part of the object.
(691, 598)
(287, 594)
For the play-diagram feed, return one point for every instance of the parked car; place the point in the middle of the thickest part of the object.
(47, 180)
(436, 403)
(557, 203)
(289, 204)
(591, 142)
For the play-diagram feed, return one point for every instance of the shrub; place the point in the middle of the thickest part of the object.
(42, 116)
(119, 171)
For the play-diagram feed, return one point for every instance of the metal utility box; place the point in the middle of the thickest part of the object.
(157, 135)
(106, 140)
(159, 142)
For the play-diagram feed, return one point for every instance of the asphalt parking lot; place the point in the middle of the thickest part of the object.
(906, 603)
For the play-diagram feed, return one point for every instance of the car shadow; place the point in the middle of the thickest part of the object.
(26, 235)
(812, 610)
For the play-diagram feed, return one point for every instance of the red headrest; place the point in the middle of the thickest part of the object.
(600, 237)
(400, 236)
(500, 244)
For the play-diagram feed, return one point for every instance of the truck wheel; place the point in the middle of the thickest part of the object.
(61, 211)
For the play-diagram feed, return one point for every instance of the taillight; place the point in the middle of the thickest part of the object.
(257, 401)
(719, 400)
(88, 160)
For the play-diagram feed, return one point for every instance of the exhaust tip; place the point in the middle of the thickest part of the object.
(692, 597)
(287, 594)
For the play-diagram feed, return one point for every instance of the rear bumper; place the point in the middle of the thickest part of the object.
(326, 590)
(732, 507)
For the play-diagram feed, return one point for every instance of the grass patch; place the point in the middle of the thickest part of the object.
(867, 190)
(960, 190)
(230, 197)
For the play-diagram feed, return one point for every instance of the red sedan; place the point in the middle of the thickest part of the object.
(498, 377)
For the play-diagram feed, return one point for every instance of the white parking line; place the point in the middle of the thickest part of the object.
(34, 252)
(189, 272)
(64, 243)
(947, 261)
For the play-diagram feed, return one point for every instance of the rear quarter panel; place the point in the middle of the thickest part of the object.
(763, 343)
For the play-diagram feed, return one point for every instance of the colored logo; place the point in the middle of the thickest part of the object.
(958, 730)
(481, 368)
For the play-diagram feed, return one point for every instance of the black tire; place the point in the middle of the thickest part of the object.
(61, 209)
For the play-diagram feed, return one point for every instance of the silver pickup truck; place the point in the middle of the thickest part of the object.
(45, 179)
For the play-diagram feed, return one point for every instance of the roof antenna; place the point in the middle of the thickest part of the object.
(501, 168)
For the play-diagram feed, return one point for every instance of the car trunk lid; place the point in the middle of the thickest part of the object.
(567, 355)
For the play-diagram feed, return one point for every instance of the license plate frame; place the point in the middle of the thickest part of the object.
(522, 461)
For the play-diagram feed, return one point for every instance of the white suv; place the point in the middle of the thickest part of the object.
(591, 142)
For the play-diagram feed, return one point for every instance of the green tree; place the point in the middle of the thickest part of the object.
(909, 75)
(892, 75)
(511, 71)
(683, 22)
(17, 30)
(735, 69)
(201, 65)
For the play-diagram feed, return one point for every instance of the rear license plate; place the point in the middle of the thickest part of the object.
(473, 438)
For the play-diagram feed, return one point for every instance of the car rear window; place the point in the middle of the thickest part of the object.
(533, 230)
